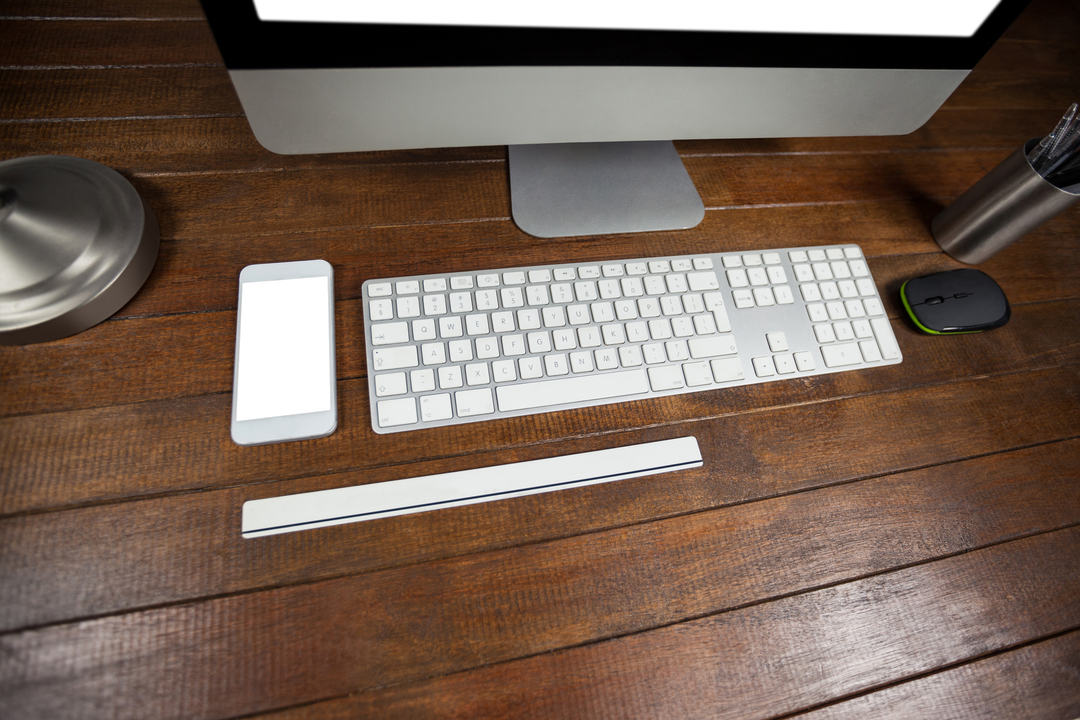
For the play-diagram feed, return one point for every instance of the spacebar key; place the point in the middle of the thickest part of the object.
(584, 388)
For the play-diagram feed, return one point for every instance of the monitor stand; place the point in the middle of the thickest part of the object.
(570, 189)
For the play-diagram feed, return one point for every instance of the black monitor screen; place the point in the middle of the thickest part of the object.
(250, 42)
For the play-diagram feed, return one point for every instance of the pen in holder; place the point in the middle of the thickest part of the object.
(1011, 201)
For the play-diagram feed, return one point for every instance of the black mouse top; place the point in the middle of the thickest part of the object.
(955, 301)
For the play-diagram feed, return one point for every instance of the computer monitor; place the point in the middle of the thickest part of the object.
(588, 94)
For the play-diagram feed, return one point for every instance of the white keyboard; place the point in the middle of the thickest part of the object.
(456, 348)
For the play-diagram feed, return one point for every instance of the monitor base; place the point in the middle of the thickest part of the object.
(572, 189)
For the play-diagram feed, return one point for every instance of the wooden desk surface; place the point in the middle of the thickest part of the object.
(894, 542)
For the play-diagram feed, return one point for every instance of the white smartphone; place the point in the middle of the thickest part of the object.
(284, 376)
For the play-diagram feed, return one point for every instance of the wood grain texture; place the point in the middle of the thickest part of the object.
(104, 9)
(106, 43)
(1037, 675)
(753, 662)
(410, 624)
(187, 447)
(896, 542)
(116, 93)
(908, 518)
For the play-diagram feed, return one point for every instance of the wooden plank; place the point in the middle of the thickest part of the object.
(196, 145)
(769, 660)
(163, 146)
(323, 640)
(1043, 266)
(1030, 683)
(1013, 54)
(51, 460)
(34, 95)
(345, 199)
(114, 9)
(910, 517)
(1052, 22)
(1008, 91)
(105, 43)
(349, 198)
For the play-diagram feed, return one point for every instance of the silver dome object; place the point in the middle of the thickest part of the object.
(76, 243)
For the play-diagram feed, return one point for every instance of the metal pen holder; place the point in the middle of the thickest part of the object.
(1009, 202)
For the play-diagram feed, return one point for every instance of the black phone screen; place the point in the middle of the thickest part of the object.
(283, 348)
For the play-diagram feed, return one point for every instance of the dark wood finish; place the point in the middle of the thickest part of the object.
(898, 542)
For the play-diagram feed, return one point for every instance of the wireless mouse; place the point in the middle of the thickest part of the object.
(955, 301)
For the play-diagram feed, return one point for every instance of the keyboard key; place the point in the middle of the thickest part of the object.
(817, 312)
(474, 402)
(571, 390)
(785, 364)
(390, 384)
(450, 377)
(763, 367)
(667, 377)
(381, 309)
(394, 358)
(743, 299)
(764, 297)
(702, 281)
(697, 374)
(389, 333)
(422, 380)
(727, 370)
(870, 351)
(435, 407)
(841, 355)
(886, 341)
(530, 368)
(611, 271)
(391, 413)
(503, 371)
(824, 334)
(777, 341)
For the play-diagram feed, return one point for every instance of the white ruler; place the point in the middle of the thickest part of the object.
(323, 508)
